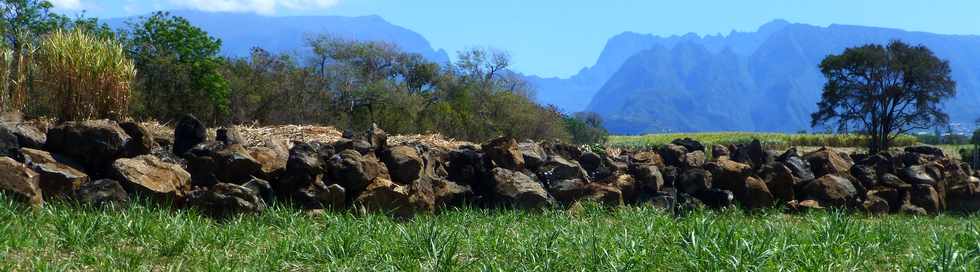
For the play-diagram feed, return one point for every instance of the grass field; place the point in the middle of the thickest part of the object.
(771, 140)
(144, 237)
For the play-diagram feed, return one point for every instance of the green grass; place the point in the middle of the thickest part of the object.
(771, 140)
(146, 237)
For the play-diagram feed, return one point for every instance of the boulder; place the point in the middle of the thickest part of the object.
(504, 153)
(20, 182)
(570, 191)
(891, 196)
(467, 167)
(876, 205)
(648, 178)
(927, 150)
(558, 168)
(377, 137)
(757, 154)
(94, 143)
(964, 198)
(865, 174)
(385, 196)
(594, 165)
(225, 199)
(188, 133)
(516, 189)
(26, 134)
(272, 156)
(8, 142)
(649, 158)
(141, 141)
(101, 193)
(450, 194)
(354, 171)
(303, 167)
(926, 197)
(228, 136)
(361, 146)
(729, 175)
(57, 179)
(148, 174)
(831, 190)
(261, 187)
(780, 180)
(318, 195)
(800, 167)
(672, 154)
(756, 195)
(826, 161)
(718, 151)
(689, 144)
(892, 181)
(215, 162)
(716, 198)
(693, 159)
(694, 180)
(533, 154)
(404, 163)
(918, 174)
(629, 188)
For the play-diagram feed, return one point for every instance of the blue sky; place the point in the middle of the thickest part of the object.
(559, 37)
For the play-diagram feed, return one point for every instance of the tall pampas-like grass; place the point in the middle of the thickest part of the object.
(81, 76)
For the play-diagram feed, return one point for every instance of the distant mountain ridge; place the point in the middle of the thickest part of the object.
(762, 81)
(240, 32)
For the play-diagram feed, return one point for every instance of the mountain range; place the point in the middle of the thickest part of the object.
(240, 32)
(764, 80)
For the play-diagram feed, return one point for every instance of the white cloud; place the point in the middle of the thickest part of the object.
(267, 7)
(67, 4)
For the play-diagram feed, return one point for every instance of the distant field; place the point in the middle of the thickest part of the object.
(770, 140)
(143, 237)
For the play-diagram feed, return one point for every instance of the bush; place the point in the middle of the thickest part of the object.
(83, 77)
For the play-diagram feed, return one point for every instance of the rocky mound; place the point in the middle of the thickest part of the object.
(229, 171)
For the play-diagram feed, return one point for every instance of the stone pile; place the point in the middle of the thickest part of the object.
(104, 163)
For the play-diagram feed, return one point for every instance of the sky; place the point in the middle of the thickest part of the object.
(560, 37)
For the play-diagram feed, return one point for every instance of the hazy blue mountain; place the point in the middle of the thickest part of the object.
(772, 87)
(241, 31)
(574, 93)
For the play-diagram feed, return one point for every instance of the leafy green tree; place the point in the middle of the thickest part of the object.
(179, 69)
(884, 91)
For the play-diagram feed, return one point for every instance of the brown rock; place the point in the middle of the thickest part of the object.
(141, 141)
(404, 163)
(515, 188)
(94, 143)
(926, 197)
(387, 197)
(148, 174)
(214, 162)
(226, 199)
(272, 157)
(876, 205)
(355, 172)
(831, 190)
(780, 181)
(826, 161)
(505, 153)
(571, 191)
(101, 193)
(20, 182)
(450, 194)
(756, 194)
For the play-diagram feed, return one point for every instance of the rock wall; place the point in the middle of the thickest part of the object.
(102, 163)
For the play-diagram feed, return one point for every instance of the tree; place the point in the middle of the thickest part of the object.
(179, 69)
(884, 91)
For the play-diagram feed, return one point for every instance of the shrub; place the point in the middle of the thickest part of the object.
(82, 77)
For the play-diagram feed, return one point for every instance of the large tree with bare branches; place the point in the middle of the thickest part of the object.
(884, 91)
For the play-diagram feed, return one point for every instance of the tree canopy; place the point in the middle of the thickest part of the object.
(884, 91)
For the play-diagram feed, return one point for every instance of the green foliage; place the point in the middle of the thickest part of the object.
(884, 91)
(179, 69)
(82, 76)
(586, 128)
(772, 140)
(351, 85)
(150, 236)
